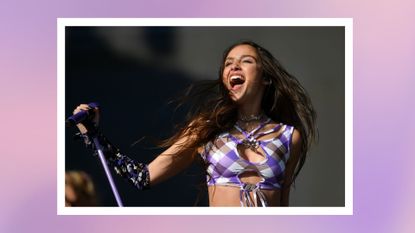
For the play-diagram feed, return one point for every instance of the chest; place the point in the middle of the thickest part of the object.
(228, 158)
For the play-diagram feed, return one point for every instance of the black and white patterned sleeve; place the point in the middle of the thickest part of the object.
(134, 172)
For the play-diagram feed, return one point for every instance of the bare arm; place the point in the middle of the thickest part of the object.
(171, 161)
(290, 167)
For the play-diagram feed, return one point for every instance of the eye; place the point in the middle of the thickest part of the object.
(247, 61)
(228, 63)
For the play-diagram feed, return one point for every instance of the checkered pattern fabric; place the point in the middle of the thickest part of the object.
(226, 164)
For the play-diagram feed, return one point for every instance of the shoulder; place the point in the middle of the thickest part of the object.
(296, 137)
(295, 145)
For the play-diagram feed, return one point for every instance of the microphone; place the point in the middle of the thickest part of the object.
(82, 115)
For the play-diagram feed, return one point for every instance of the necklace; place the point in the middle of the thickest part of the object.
(248, 125)
(253, 117)
(250, 141)
(250, 122)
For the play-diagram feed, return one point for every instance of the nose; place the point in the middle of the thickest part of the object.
(235, 66)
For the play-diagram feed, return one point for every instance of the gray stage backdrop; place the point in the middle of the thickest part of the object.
(134, 71)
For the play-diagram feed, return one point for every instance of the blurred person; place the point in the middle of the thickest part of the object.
(79, 189)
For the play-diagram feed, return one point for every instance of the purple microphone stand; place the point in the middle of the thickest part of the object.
(107, 170)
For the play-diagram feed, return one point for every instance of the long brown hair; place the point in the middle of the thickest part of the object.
(213, 112)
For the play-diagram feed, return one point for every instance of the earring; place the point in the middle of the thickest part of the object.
(268, 81)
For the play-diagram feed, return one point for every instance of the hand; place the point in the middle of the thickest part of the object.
(85, 107)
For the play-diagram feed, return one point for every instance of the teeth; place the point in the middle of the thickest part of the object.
(236, 77)
(235, 80)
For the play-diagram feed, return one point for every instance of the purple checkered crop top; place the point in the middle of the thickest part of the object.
(226, 164)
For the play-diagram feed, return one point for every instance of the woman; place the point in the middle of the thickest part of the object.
(253, 135)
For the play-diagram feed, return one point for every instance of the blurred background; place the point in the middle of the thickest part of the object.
(133, 72)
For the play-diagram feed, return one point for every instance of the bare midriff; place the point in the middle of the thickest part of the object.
(225, 195)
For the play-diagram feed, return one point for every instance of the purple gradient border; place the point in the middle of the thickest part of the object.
(384, 51)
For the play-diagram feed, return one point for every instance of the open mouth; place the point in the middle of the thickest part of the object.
(236, 81)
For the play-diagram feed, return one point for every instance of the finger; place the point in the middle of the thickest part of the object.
(81, 107)
(84, 106)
